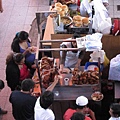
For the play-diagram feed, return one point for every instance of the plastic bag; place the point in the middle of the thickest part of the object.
(103, 58)
(101, 20)
(93, 42)
(97, 54)
(114, 71)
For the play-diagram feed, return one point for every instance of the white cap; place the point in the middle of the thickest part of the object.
(105, 1)
(81, 101)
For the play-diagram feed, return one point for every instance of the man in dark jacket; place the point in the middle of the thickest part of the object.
(23, 102)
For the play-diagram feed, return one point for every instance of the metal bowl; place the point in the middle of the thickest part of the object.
(67, 20)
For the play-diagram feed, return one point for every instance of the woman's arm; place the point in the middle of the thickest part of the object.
(51, 87)
(80, 57)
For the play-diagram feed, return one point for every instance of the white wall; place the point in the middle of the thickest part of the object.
(114, 13)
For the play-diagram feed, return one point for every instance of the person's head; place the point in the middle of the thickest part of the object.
(27, 85)
(19, 58)
(46, 99)
(110, 86)
(106, 4)
(78, 116)
(115, 110)
(22, 36)
(2, 85)
(75, 35)
(81, 103)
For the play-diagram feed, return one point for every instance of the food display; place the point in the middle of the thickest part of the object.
(47, 72)
(97, 96)
(85, 77)
(74, 20)
(79, 21)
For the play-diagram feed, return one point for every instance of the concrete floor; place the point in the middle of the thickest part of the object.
(17, 15)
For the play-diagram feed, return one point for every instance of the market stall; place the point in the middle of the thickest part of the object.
(66, 94)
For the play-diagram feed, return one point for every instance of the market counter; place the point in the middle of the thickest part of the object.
(72, 92)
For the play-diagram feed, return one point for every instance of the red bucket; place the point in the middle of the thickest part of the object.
(116, 26)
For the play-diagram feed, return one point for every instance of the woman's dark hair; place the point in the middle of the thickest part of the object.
(78, 116)
(17, 57)
(46, 99)
(116, 109)
(20, 36)
(14, 57)
(2, 85)
(27, 84)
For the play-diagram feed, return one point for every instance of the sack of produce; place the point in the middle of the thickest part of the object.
(114, 71)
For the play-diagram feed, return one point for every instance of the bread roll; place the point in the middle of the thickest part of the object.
(61, 13)
(77, 18)
(78, 24)
(85, 21)
(58, 9)
(64, 8)
(58, 4)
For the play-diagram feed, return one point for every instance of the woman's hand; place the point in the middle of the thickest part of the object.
(32, 49)
(61, 68)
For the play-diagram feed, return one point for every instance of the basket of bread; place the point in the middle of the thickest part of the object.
(62, 10)
(79, 21)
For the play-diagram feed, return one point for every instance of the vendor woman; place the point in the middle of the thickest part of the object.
(70, 59)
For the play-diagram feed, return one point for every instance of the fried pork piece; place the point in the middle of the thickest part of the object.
(75, 71)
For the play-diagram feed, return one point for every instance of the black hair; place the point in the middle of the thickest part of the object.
(78, 116)
(76, 35)
(23, 35)
(17, 57)
(2, 85)
(116, 109)
(27, 84)
(46, 99)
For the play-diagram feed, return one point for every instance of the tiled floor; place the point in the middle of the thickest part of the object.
(18, 15)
